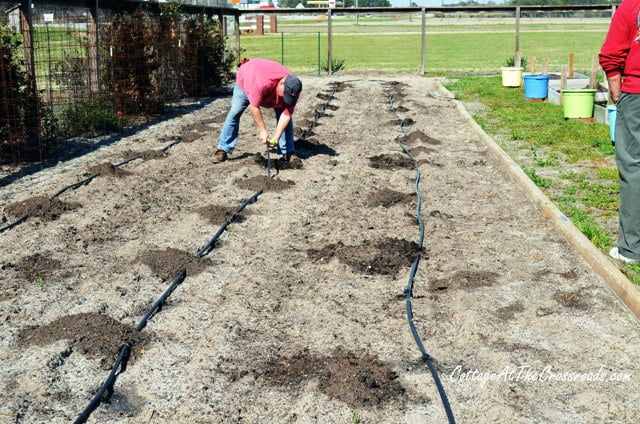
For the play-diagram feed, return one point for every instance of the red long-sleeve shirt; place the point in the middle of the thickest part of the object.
(620, 53)
(259, 78)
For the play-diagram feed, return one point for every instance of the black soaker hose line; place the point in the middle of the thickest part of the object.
(125, 350)
(107, 386)
(207, 247)
(158, 304)
(79, 184)
(408, 292)
(14, 223)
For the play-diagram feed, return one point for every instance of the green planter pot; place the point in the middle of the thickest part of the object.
(578, 103)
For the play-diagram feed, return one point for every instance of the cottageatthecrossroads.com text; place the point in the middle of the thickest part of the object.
(526, 373)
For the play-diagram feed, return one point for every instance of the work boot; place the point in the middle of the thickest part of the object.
(291, 161)
(219, 156)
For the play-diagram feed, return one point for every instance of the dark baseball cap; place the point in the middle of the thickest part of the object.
(292, 89)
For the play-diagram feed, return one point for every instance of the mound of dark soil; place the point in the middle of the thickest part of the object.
(106, 169)
(90, 334)
(418, 135)
(507, 313)
(144, 154)
(190, 137)
(323, 96)
(391, 161)
(341, 86)
(37, 268)
(384, 257)
(572, 299)
(262, 182)
(401, 109)
(404, 122)
(332, 107)
(218, 215)
(200, 127)
(386, 197)
(278, 163)
(361, 381)
(465, 280)
(41, 207)
(167, 263)
(420, 149)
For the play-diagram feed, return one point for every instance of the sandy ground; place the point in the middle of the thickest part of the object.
(297, 315)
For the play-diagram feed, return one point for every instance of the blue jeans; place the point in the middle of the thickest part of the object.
(229, 135)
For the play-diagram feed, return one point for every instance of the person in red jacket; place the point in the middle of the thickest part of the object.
(620, 60)
(267, 84)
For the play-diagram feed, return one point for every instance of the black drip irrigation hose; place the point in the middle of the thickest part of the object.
(107, 386)
(158, 304)
(408, 292)
(79, 184)
(179, 279)
(210, 244)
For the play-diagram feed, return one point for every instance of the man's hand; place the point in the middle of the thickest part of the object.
(264, 136)
(615, 83)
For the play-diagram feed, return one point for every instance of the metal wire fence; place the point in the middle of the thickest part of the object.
(69, 70)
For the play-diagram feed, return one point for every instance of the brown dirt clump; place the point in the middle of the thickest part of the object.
(465, 280)
(106, 169)
(41, 207)
(279, 163)
(573, 299)
(361, 381)
(144, 154)
(341, 86)
(420, 149)
(167, 263)
(508, 312)
(91, 334)
(37, 268)
(386, 198)
(384, 257)
(391, 161)
(200, 127)
(401, 109)
(418, 135)
(323, 96)
(404, 122)
(190, 136)
(262, 182)
(218, 215)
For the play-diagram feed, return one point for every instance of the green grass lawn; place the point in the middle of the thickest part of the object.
(571, 161)
(467, 52)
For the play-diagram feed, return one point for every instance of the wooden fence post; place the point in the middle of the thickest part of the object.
(517, 61)
(273, 24)
(92, 46)
(594, 70)
(424, 42)
(545, 66)
(329, 43)
(571, 64)
(236, 31)
(33, 109)
(259, 25)
(533, 65)
(26, 28)
(563, 80)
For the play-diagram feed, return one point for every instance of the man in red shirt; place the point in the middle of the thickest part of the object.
(262, 83)
(620, 59)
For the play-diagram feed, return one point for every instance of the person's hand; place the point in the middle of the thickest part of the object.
(273, 142)
(264, 136)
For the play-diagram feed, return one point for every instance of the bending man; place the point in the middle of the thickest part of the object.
(262, 83)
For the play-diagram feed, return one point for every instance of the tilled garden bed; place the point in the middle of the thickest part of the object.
(297, 314)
